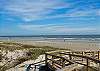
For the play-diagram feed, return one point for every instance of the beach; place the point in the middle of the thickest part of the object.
(72, 44)
(22, 51)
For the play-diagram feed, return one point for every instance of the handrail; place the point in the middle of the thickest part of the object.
(54, 59)
(86, 57)
(59, 57)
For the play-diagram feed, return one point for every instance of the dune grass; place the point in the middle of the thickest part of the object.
(33, 52)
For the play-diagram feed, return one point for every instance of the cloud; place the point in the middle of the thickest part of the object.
(29, 10)
(57, 28)
(42, 11)
(32, 10)
(83, 13)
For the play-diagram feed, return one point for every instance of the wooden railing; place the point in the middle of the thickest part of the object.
(60, 63)
(59, 60)
(87, 58)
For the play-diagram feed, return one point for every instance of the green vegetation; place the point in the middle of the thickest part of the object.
(85, 69)
(32, 52)
(89, 69)
(0, 56)
(3, 68)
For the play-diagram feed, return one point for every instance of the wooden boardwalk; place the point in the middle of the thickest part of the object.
(62, 60)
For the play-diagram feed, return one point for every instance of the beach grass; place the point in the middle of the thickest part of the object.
(32, 52)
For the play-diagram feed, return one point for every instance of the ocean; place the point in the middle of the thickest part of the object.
(73, 42)
(53, 37)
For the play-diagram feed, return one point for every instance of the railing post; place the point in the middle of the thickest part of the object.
(82, 55)
(92, 54)
(52, 61)
(63, 63)
(72, 54)
(87, 60)
(98, 54)
(46, 64)
(45, 59)
(35, 68)
(70, 57)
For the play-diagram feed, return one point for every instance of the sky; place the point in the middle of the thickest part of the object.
(49, 17)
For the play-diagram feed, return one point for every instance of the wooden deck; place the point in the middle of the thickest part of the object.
(59, 60)
(62, 60)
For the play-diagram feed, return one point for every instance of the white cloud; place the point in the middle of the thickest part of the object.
(80, 13)
(32, 10)
(82, 29)
(57, 28)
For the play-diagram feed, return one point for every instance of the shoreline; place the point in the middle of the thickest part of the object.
(68, 44)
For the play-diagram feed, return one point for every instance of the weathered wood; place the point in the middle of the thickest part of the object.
(57, 66)
(82, 55)
(59, 57)
(98, 54)
(70, 57)
(93, 54)
(87, 64)
(86, 57)
(45, 59)
(35, 68)
(37, 63)
(52, 60)
(60, 60)
(63, 63)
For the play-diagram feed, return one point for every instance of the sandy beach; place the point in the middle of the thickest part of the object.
(76, 45)
(19, 55)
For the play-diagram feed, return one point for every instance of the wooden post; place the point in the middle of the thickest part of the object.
(70, 57)
(82, 55)
(52, 61)
(45, 59)
(87, 61)
(92, 54)
(98, 55)
(73, 54)
(35, 68)
(63, 63)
